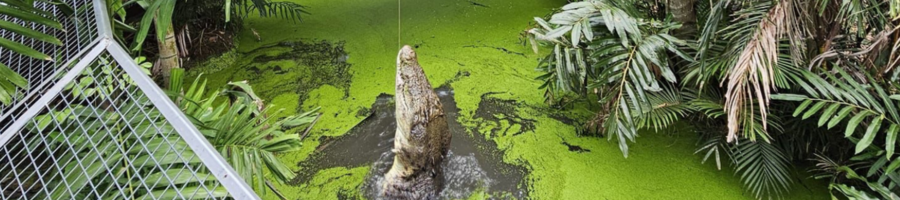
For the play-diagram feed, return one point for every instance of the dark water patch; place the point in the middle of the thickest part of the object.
(472, 165)
(576, 148)
(310, 52)
(494, 112)
(295, 67)
(459, 75)
(562, 118)
(474, 3)
(504, 50)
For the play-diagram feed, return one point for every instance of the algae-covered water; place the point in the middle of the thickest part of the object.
(342, 58)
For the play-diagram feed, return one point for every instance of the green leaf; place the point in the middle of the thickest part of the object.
(161, 144)
(851, 126)
(176, 79)
(870, 135)
(576, 34)
(146, 22)
(63, 7)
(891, 140)
(280, 170)
(21, 30)
(164, 19)
(177, 176)
(227, 10)
(543, 23)
(840, 116)
(895, 97)
(79, 173)
(166, 157)
(119, 25)
(6, 92)
(283, 143)
(801, 107)
(877, 166)
(22, 49)
(117, 8)
(815, 108)
(586, 28)
(244, 86)
(30, 17)
(13, 77)
(828, 114)
(789, 97)
(893, 166)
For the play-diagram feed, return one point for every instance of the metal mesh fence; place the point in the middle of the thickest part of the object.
(92, 125)
(79, 31)
(101, 138)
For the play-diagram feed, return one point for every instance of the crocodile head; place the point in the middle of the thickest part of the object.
(407, 66)
(413, 93)
(407, 56)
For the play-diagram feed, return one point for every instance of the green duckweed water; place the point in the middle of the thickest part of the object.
(342, 57)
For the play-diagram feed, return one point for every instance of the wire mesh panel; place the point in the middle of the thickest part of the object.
(92, 125)
(101, 138)
(79, 31)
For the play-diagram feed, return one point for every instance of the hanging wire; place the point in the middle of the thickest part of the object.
(398, 24)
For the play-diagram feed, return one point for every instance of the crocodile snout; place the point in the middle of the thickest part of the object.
(406, 55)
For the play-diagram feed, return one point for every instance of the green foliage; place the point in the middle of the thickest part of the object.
(107, 142)
(241, 129)
(836, 99)
(137, 137)
(836, 60)
(266, 8)
(845, 178)
(763, 168)
(10, 81)
(102, 81)
(629, 56)
(160, 13)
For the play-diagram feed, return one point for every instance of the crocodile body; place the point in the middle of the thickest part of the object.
(422, 138)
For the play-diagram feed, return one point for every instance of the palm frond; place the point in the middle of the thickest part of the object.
(715, 148)
(628, 55)
(241, 129)
(10, 81)
(267, 8)
(665, 108)
(752, 75)
(764, 169)
(848, 172)
(837, 99)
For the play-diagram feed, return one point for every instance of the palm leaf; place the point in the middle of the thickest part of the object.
(871, 107)
(628, 58)
(763, 168)
(11, 82)
(27, 32)
(239, 129)
(752, 75)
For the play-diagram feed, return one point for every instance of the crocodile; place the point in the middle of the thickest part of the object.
(422, 138)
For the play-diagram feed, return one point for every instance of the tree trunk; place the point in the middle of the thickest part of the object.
(168, 58)
(683, 12)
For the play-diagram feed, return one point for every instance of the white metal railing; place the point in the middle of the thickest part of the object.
(92, 125)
